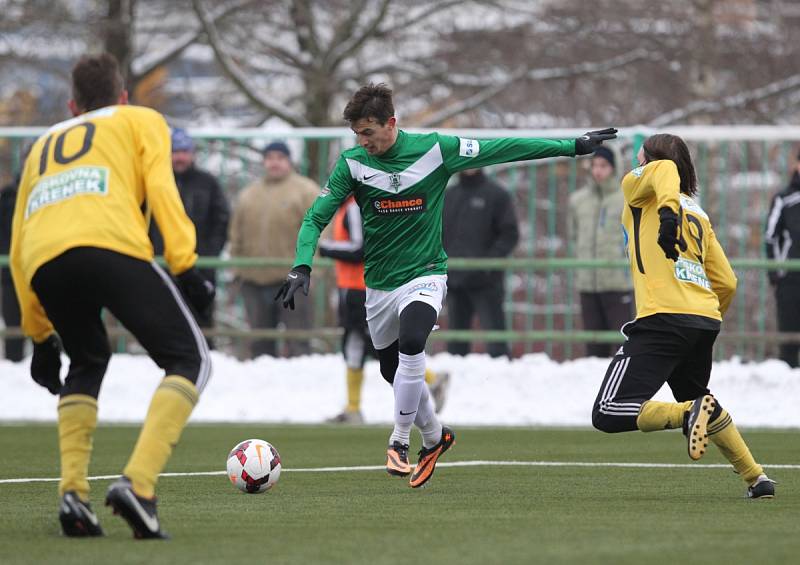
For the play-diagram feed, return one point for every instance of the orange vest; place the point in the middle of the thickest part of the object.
(348, 275)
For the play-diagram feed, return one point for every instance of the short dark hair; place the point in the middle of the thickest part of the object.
(673, 148)
(96, 81)
(370, 101)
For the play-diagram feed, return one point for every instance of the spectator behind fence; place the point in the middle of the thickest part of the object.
(478, 221)
(783, 242)
(14, 346)
(205, 204)
(266, 219)
(594, 228)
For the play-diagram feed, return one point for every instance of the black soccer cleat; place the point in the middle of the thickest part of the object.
(763, 488)
(139, 512)
(76, 517)
(429, 456)
(697, 425)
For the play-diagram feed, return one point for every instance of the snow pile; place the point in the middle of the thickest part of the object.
(532, 390)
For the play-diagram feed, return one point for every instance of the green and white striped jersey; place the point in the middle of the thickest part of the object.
(401, 194)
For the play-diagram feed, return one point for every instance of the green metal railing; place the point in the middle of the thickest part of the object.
(730, 337)
(739, 169)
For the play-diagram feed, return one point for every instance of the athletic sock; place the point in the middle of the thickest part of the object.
(426, 420)
(430, 377)
(169, 410)
(77, 420)
(655, 415)
(731, 444)
(355, 377)
(409, 381)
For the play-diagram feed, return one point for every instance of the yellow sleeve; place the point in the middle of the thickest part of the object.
(720, 273)
(163, 197)
(657, 179)
(35, 323)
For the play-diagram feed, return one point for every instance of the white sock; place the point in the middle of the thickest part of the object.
(409, 382)
(426, 420)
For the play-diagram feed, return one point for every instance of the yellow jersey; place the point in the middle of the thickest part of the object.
(701, 282)
(88, 182)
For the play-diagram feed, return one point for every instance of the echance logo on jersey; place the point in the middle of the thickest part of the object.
(392, 206)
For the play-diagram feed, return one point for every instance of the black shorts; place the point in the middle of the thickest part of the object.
(74, 287)
(659, 349)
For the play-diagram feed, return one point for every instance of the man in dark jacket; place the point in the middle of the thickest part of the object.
(783, 242)
(206, 206)
(14, 346)
(479, 221)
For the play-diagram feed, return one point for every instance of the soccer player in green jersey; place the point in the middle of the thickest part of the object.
(398, 180)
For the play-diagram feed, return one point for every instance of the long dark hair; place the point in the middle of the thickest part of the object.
(667, 146)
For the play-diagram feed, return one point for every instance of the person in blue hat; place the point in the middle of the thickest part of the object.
(205, 204)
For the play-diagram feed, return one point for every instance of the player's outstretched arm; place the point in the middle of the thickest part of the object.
(460, 153)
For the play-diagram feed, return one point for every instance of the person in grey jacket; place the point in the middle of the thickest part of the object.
(478, 221)
(595, 232)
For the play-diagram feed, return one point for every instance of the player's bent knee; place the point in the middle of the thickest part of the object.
(192, 369)
(611, 424)
(413, 345)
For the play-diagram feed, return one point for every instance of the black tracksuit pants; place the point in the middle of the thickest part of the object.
(485, 302)
(14, 346)
(660, 349)
(787, 300)
(604, 311)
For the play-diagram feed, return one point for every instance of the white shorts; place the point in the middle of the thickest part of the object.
(384, 306)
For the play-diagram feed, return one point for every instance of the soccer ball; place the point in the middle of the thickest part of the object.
(254, 466)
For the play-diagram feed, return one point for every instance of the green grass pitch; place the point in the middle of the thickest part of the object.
(479, 514)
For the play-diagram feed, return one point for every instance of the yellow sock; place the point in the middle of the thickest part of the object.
(354, 379)
(730, 442)
(169, 410)
(430, 377)
(77, 420)
(655, 415)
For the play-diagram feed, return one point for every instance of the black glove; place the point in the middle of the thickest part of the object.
(668, 233)
(46, 364)
(298, 277)
(774, 277)
(323, 251)
(197, 289)
(591, 140)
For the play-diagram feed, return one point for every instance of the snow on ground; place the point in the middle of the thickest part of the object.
(532, 390)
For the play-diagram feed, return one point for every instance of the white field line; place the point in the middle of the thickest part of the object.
(443, 464)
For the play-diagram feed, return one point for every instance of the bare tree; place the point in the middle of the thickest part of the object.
(500, 63)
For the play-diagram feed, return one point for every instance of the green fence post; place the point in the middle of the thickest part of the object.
(529, 277)
(569, 315)
(552, 195)
(702, 173)
(742, 251)
(508, 298)
(638, 141)
(724, 187)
